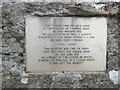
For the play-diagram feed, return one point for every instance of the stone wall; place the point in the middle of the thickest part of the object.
(14, 53)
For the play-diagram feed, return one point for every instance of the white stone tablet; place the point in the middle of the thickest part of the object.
(69, 44)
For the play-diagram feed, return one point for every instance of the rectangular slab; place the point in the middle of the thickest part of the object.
(70, 44)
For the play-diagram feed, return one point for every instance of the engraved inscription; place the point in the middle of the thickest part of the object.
(56, 44)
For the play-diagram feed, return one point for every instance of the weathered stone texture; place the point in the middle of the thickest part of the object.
(13, 43)
(72, 9)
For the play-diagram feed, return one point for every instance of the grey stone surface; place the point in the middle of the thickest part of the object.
(78, 1)
(73, 9)
(0, 80)
(0, 37)
(13, 43)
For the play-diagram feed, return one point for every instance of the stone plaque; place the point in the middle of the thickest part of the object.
(70, 44)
